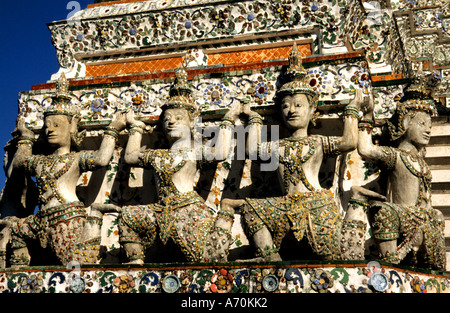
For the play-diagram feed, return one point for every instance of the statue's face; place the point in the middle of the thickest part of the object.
(418, 129)
(177, 123)
(57, 130)
(297, 111)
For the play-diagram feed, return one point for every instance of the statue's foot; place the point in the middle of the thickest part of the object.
(5, 238)
(258, 259)
(99, 209)
(233, 204)
(218, 258)
(135, 262)
(275, 257)
(218, 254)
(361, 193)
(105, 208)
(4, 223)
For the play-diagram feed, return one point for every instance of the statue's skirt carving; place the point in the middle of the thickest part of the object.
(313, 213)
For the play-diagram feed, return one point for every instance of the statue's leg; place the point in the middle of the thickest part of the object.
(131, 243)
(21, 230)
(434, 242)
(354, 224)
(5, 238)
(20, 257)
(388, 250)
(64, 231)
(220, 237)
(261, 236)
(89, 246)
(386, 229)
(428, 241)
(439, 218)
(137, 230)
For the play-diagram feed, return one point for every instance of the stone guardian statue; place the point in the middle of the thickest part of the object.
(62, 223)
(306, 210)
(406, 227)
(180, 215)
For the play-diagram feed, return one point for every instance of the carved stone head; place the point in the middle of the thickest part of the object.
(61, 118)
(418, 128)
(412, 119)
(179, 111)
(298, 101)
(176, 123)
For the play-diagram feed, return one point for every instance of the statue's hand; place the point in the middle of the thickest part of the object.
(246, 109)
(132, 120)
(150, 129)
(130, 117)
(119, 122)
(367, 107)
(23, 129)
(358, 100)
(233, 112)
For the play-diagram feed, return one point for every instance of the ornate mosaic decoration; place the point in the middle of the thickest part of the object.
(246, 279)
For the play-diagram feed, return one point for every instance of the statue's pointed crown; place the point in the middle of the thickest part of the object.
(297, 75)
(416, 97)
(180, 94)
(61, 101)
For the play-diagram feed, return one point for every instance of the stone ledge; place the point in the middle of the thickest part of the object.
(275, 277)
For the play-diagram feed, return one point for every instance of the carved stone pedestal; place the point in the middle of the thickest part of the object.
(274, 277)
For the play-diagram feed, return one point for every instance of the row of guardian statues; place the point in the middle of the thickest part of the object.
(403, 222)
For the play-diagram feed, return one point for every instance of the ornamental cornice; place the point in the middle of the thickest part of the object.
(131, 29)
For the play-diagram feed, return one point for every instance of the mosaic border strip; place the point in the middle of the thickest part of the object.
(276, 277)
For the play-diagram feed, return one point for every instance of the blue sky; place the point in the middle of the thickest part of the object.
(27, 54)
